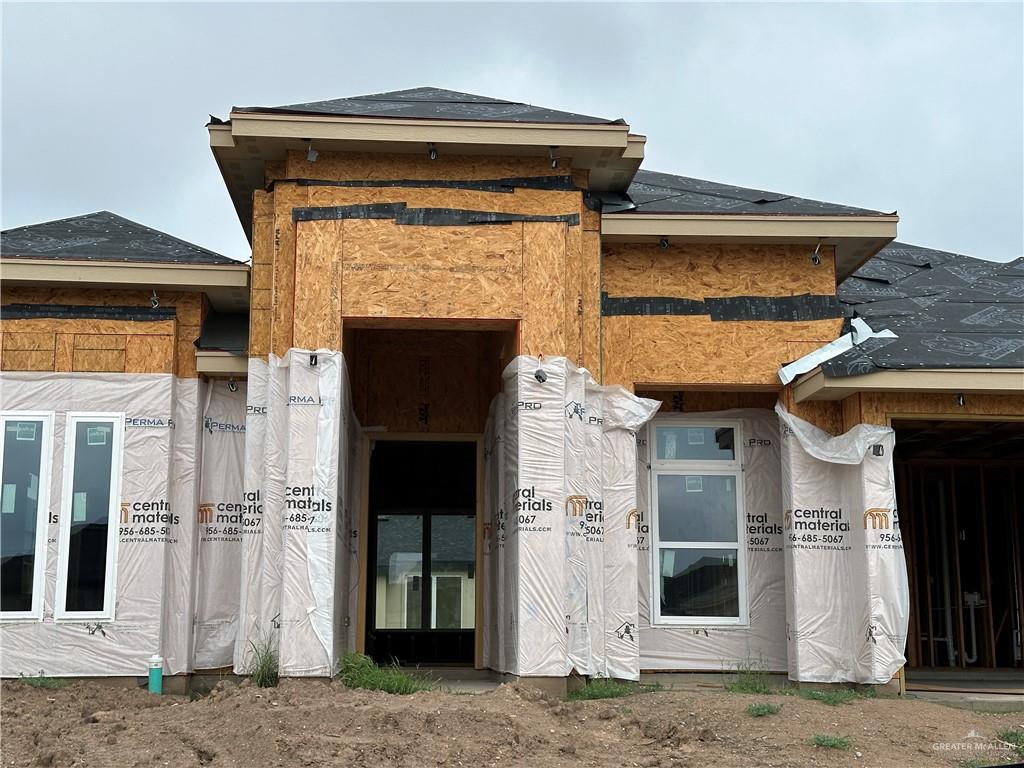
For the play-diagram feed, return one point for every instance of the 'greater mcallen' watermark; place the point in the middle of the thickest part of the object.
(973, 743)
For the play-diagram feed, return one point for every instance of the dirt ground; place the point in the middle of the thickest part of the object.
(314, 723)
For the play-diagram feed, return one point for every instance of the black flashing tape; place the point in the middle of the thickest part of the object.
(430, 217)
(81, 311)
(504, 185)
(776, 308)
(650, 305)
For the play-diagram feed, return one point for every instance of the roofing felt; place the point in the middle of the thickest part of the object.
(947, 311)
(102, 236)
(433, 104)
(653, 192)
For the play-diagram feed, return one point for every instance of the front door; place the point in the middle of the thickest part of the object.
(421, 594)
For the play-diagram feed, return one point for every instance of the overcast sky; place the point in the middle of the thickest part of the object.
(908, 107)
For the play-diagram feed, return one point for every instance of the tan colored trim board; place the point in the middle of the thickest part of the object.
(339, 128)
(118, 274)
(216, 363)
(748, 228)
(993, 381)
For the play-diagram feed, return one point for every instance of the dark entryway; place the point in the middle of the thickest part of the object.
(421, 594)
(960, 488)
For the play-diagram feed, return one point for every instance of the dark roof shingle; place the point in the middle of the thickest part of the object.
(102, 236)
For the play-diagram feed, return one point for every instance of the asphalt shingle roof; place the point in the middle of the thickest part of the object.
(947, 310)
(654, 192)
(433, 104)
(102, 236)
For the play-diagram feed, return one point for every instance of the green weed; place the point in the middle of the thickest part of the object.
(832, 742)
(359, 671)
(762, 710)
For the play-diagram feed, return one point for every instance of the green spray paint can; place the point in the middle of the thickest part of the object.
(156, 674)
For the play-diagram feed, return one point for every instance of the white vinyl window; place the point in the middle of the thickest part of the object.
(89, 516)
(699, 557)
(25, 447)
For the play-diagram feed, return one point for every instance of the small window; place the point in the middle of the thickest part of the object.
(699, 557)
(24, 511)
(89, 516)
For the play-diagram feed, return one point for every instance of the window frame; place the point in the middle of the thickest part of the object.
(42, 510)
(720, 467)
(60, 613)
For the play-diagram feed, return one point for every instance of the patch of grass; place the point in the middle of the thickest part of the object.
(359, 671)
(832, 742)
(264, 668)
(833, 697)
(749, 676)
(43, 682)
(1015, 738)
(763, 709)
(606, 688)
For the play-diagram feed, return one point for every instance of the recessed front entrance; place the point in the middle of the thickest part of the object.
(421, 595)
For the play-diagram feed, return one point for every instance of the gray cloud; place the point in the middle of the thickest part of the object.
(912, 107)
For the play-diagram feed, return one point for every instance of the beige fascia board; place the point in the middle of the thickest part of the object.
(221, 136)
(424, 131)
(212, 362)
(993, 381)
(809, 228)
(195, 277)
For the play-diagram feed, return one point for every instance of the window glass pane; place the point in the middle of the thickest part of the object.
(399, 596)
(697, 508)
(699, 582)
(452, 564)
(90, 515)
(695, 443)
(19, 512)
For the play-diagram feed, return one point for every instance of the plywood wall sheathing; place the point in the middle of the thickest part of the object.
(542, 331)
(702, 401)
(574, 289)
(525, 201)
(262, 275)
(879, 407)
(372, 165)
(286, 197)
(591, 288)
(318, 282)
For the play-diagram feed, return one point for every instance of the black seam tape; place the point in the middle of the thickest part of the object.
(726, 308)
(430, 217)
(76, 311)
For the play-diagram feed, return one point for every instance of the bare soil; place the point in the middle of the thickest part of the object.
(315, 723)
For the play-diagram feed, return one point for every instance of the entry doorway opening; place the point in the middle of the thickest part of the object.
(960, 488)
(422, 549)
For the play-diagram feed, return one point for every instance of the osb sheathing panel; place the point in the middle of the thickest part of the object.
(698, 271)
(693, 349)
(824, 414)
(526, 201)
(115, 346)
(542, 330)
(699, 401)
(286, 198)
(262, 275)
(393, 270)
(434, 381)
(591, 291)
(879, 407)
(574, 288)
(348, 166)
(318, 283)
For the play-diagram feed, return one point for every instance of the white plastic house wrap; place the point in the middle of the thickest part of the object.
(153, 512)
(717, 648)
(220, 518)
(295, 561)
(559, 551)
(846, 577)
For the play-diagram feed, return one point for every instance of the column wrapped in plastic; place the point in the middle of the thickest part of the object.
(762, 643)
(494, 426)
(847, 599)
(594, 543)
(508, 537)
(221, 519)
(310, 512)
(252, 617)
(583, 521)
(623, 414)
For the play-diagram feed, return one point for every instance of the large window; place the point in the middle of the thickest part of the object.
(24, 511)
(699, 561)
(89, 516)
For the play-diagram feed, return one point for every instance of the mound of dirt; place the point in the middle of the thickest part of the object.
(317, 723)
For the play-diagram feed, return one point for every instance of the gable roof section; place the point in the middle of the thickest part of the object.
(102, 236)
(432, 104)
(947, 310)
(666, 193)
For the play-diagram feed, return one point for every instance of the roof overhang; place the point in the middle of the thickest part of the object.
(226, 285)
(244, 145)
(856, 238)
(991, 381)
(224, 364)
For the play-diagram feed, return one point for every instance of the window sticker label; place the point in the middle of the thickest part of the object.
(695, 436)
(694, 484)
(9, 494)
(670, 445)
(78, 507)
(97, 435)
(25, 430)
